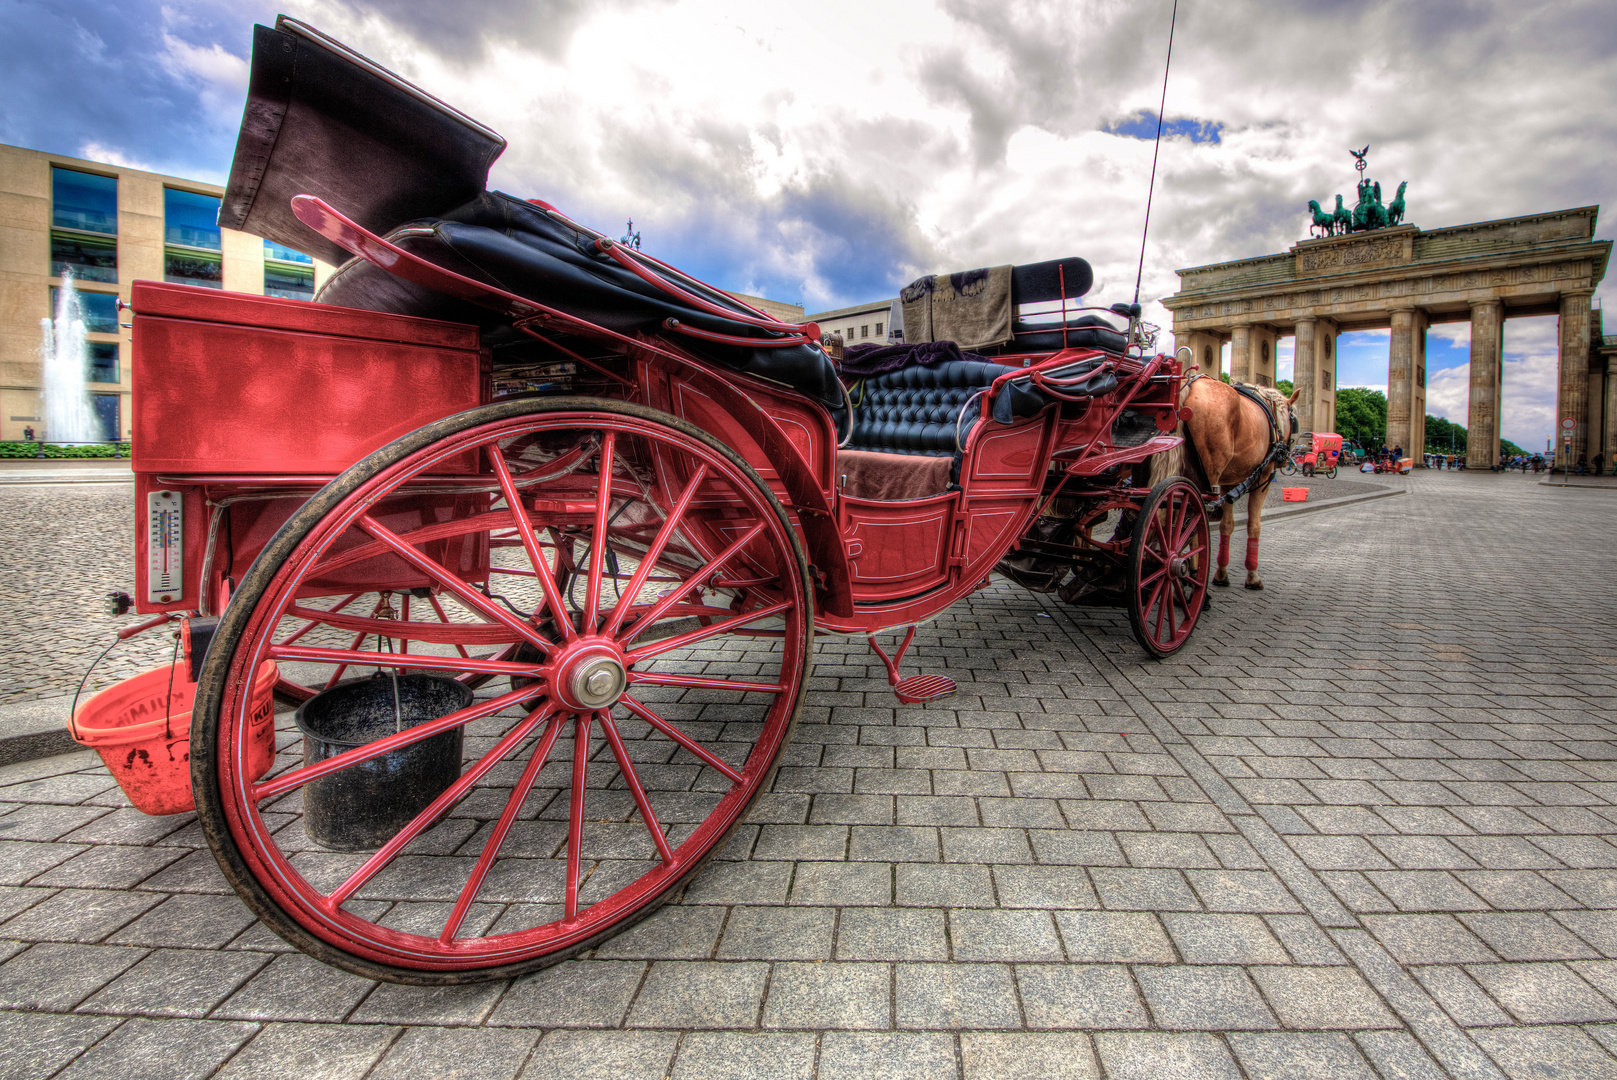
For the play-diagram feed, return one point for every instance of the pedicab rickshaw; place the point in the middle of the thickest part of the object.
(612, 504)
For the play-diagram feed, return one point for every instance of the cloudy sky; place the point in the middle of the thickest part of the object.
(827, 153)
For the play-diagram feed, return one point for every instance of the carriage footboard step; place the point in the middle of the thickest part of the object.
(916, 687)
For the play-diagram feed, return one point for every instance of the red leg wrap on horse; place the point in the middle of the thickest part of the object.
(1252, 553)
(1223, 551)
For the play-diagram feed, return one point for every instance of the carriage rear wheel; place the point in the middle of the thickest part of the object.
(625, 603)
(1168, 565)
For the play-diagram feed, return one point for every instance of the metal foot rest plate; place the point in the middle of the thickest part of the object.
(923, 688)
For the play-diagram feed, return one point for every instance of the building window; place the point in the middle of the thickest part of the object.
(87, 257)
(106, 410)
(878, 329)
(190, 220)
(182, 267)
(99, 310)
(84, 201)
(102, 366)
(289, 282)
(864, 331)
(276, 253)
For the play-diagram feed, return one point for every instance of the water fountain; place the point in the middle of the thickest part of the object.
(64, 353)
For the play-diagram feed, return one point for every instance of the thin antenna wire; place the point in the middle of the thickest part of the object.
(1138, 274)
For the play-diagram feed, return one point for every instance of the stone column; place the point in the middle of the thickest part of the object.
(1400, 381)
(1573, 399)
(1417, 385)
(1611, 413)
(1305, 374)
(1325, 331)
(1482, 420)
(1262, 352)
(1241, 354)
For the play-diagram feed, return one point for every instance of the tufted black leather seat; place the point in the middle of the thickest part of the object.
(914, 410)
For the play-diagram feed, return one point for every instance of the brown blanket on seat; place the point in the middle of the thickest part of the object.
(971, 309)
(869, 474)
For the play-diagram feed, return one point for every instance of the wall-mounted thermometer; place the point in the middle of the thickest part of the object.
(165, 544)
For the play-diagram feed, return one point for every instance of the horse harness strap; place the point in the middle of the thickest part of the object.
(1277, 448)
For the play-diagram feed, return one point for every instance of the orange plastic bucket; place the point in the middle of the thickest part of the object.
(144, 734)
(1294, 494)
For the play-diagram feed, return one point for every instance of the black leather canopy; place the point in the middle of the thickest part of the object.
(524, 249)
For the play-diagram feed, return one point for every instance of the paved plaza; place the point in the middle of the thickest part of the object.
(1363, 826)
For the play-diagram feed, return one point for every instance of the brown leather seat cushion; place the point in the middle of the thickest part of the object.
(869, 474)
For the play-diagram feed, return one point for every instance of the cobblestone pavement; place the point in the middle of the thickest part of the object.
(1363, 826)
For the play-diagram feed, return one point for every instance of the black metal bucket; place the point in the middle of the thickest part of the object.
(363, 806)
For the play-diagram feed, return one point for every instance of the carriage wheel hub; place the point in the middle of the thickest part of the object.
(590, 675)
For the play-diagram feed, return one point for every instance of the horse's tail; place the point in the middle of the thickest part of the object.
(1182, 460)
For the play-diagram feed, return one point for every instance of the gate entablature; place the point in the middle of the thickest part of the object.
(1405, 279)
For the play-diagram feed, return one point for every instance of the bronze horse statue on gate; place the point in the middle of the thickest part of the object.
(1236, 438)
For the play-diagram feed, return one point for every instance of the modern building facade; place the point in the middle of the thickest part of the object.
(107, 226)
(863, 324)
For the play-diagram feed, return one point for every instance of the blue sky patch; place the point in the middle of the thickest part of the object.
(1143, 125)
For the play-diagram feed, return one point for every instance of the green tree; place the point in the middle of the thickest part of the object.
(1284, 386)
(1361, 415)
(1444, 436)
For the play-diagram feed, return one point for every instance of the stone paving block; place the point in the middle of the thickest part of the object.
(828, 884)
(1204, 998)
(161, 1050)
(1007, 936)
(936, 810)
(1591, 888)
(947, 885)
(1322, 998)
(1355, 892)
(1527, 936)
(891, 934)
(1052, 887)
(1602, 973)
(772, 933)
(1165, 1056)
(1114, 938)
(108, 866)
(1598, 928)
(828, 996)
(850, 810)
(21, 860)
(1143, 890)
(894, 843)
(1425, 890)
(1543, 993)
(1242, 891)
(1338, 853)
(985, 845)
(715, 1055)
(1304, 940)
(46, 821)
(955, 996)
(1077, 848)
(1104, 814)
(1578, 852)
(673, 933)
(1398, 1056)
(602, 1055)
(1224, 939)
(15, 899)
(887, 1056)
(176, 982)
(196, 872)
(1460, 996)
(700, 994)
(190, 921)
(451, 1053)
(1423, 853)
(1080, 996)
(338, 1051)
(296, 987)
(740, 883)
(86, 915)
(1506, 853)
(1299, 1056)
(59, 976)
(394, 1003)
(37, 1045)
(1547, 1053)
(577, 993)
(1027, 1056)
(793, 842)
(1515, 890)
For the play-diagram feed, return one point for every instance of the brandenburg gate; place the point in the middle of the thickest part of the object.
(1406, 279)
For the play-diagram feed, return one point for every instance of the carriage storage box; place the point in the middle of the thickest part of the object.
(232, 384)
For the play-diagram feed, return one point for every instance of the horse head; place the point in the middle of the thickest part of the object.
(1313, 204)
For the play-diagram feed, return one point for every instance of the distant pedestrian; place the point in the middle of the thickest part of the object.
(28, 433)
(1598, 461)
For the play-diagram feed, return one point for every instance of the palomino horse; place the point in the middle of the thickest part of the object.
(1233, 440)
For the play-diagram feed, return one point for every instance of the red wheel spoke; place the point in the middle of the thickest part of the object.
(598, 543)
(675, 595)
(437, 633)
(648, 561)
(575, 814)
(315, 621)
(502, 827)
(345, 657)
(337, 762)
(690, 637)
(341, 667)
(530, 543)
(445, 577)
(1147, 579)
(626, 767)
(443, 618)
(428, 817)
(1151, 605)
(678, 736)
(699, 682)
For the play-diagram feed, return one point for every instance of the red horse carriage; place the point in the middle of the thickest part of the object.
(606, 504)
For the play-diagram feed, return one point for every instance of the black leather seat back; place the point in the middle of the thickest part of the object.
(915, 410)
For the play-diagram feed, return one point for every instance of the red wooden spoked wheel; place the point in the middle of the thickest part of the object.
(638, 636)
(1168, 567)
